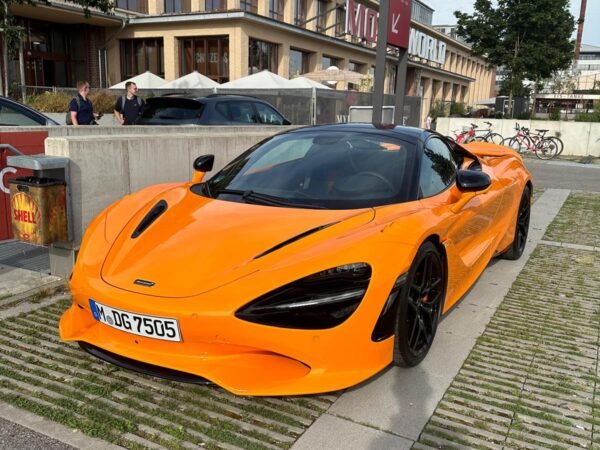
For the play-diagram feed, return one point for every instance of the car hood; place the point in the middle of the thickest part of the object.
(198, 244)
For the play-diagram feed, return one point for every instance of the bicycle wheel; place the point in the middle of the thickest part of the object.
(559, 145)
(495, 138)
(506, 141)
(520, 145)
(545, 149)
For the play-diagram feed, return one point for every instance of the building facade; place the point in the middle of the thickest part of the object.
(228, 39)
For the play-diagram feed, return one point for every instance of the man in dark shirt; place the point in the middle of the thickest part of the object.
(81, 108)
(129, 107)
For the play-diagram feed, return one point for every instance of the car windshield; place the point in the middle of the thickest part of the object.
(171, 111)
(319, 169)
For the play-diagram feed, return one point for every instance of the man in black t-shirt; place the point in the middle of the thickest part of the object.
(129, 107)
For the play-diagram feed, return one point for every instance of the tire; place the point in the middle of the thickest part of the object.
(546, 149)
(559, 144)
(495, 138)
(420, 306)
(520, 146)
(517, 247)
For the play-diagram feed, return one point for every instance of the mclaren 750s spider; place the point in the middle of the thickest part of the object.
(308, 264)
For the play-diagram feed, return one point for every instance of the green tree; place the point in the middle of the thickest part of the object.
(10, 32)
(529, 38)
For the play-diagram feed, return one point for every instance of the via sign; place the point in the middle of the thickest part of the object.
(362, 23)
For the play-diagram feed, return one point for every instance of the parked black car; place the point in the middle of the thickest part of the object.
(216, 109)
(16, 114)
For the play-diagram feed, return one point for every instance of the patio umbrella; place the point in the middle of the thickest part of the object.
(194, 80)
(260, 80)
(302, 82)
(146, 80)
(334, 74)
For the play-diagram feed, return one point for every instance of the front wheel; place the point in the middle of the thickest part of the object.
(495, 138)
(420, 306)
(517, 247)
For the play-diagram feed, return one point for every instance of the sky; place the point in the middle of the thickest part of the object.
(443, 15)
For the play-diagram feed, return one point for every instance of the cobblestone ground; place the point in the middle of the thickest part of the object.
(533, 378)
(578, 221)
(62, 383)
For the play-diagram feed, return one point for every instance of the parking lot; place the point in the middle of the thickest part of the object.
(514, 365)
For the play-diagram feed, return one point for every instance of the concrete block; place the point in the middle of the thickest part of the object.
(594, 140)
(334, 433)
(575, 136)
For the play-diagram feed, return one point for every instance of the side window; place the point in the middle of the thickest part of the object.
(438, 168)
(242, 112)
(222, 110)
(268, 114)
(12, 116)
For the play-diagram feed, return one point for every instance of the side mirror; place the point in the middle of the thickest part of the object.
(472, 180)
(202, 164)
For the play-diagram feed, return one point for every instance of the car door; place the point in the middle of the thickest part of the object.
(467, 232)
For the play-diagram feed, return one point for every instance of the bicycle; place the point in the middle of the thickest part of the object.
(489, 136)
(523, 141)
(465, 136)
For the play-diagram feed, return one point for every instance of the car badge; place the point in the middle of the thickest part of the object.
(144, 282)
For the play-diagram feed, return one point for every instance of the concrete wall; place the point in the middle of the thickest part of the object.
(580, 138)
(105, 168)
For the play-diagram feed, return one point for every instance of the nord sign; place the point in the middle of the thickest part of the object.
(362, 23)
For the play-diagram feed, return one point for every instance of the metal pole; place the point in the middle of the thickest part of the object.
(22, 71)
(382, 25)
(400, 86)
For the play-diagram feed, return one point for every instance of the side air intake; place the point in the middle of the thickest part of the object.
(156, 211)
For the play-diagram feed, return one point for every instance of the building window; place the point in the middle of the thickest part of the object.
(178, 6)
(340, 21)
(249, 5)
(301, 13)
(140, 55)
(133, 5)
(298, 62)
(215, 5)
(276, 9)
(262, 56)
(328, 61)
(321, 16)
(207, 55)
(357, 67)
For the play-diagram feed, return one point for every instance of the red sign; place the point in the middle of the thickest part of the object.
(399, 23)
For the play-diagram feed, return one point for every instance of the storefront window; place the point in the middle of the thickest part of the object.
(276, 9)
(298, 62)
(262, 56)
(140, 55)
(209, 56)
(178, 6)
(301, 12)
(249, 5)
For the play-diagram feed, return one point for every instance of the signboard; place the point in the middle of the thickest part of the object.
(362, 23)
(398, 23)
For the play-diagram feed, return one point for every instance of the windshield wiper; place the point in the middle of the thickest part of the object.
(250, 196)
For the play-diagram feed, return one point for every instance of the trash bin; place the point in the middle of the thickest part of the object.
(38, 209)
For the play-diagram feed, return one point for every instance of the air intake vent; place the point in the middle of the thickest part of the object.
(152, 215)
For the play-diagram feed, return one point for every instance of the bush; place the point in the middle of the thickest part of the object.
(554, 114)
(525, 115)
(58, 102)
(458, 109)
(498, 115)
(438, 109)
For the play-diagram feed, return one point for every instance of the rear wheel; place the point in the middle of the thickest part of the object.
(521, 228)
(495, 138)
(559, 144)
(420, 306)
(520, 145)
(546, 149)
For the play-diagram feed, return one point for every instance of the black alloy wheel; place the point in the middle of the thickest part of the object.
(420, 306)
(521, 228)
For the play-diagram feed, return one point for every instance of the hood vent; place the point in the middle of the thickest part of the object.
(294, 239)
(156, 211)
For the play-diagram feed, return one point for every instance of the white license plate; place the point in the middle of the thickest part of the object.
(148, 326)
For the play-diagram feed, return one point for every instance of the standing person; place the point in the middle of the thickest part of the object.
(81, 110)
(129, 107)
(428, 121)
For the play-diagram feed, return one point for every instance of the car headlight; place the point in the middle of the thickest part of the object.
(319, 301)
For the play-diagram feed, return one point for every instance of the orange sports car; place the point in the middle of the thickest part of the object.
(308, 264)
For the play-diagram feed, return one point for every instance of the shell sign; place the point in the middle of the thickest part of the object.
(38, 212)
